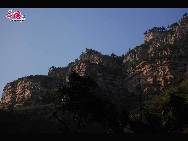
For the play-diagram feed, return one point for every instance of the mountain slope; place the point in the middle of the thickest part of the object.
(155, 65)
(121, 82)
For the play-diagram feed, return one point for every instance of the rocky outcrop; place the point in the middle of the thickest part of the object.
(149, 69)
(161, 61)
(156, 78)
(169, 35)
(106, 70)
(28, 91)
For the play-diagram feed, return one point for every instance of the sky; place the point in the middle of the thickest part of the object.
(56, 36)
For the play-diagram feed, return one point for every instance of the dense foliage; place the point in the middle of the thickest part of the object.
(78, 101)
(169, 112)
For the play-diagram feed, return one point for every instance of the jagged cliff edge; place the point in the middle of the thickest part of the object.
(149, 68)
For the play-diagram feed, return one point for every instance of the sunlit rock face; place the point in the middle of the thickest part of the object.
(106, 70)
(150, 68)
(29, 90)
(169, 35)
(161, 61)
(156, 77)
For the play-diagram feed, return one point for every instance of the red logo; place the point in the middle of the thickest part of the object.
(15, 15)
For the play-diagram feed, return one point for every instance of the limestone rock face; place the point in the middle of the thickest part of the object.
(170, 35)
(155, 78)
(29, 90)
(161, 61)
(106, 70)
(149, 69)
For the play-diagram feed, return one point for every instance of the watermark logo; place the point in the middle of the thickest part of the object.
(15, 16)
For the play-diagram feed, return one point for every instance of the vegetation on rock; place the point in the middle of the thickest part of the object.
(107, 90)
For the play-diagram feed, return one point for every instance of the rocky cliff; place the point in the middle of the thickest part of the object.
(149, 68)
(28, 91)
(162, 60)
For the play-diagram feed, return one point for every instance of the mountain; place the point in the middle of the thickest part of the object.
(143, 72)
(162, 60)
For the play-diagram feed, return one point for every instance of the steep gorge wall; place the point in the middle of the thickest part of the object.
(106, 70)
(29, 90)
(149, 68)
(161, 61)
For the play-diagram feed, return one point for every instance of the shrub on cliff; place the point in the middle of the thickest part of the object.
(169, 111)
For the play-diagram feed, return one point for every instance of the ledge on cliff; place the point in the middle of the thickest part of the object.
(162, 32)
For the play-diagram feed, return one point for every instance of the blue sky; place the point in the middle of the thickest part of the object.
(55, 37)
